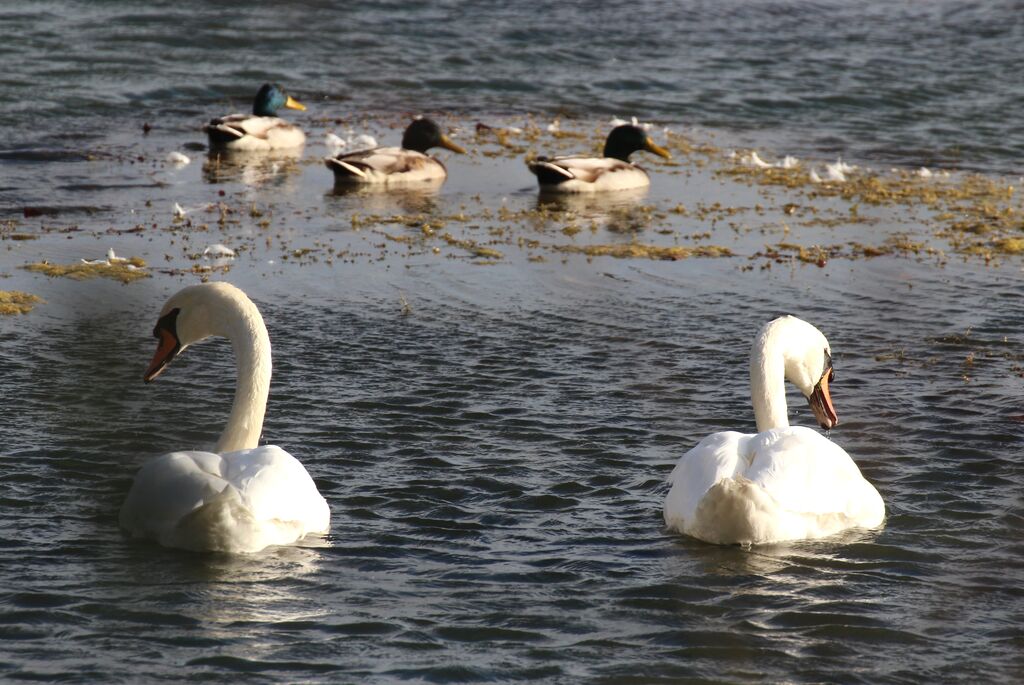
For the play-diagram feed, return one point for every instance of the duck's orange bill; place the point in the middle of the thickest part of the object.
(450, 144)
(651, 146)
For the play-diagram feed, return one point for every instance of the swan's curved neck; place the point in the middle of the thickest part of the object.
(251, 344)
(768, 381)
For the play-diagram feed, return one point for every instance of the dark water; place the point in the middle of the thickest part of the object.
(934, 83)
(495, 463)
(494, 451)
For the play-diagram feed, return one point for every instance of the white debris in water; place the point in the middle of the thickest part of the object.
(555, 126)
(646, 127)
(363, 142)
(335, 143)
(754, 160)
(843, 166)
(218, 250)
(179, 211)
(834, 173)
(838, 170)
(925, 172)
(616, 121)
(111, 259)
(177, 159)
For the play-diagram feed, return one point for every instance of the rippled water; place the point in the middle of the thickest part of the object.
(495, 471)
(908, 82)
(493, 439)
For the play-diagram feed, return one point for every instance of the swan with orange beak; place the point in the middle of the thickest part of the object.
(783, 482)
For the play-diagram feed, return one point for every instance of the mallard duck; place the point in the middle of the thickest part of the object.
(613, 171)
(396, 165)
(261, 130)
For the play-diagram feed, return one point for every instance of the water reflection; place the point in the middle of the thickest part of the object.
(251, 168)
(384, 199)
(613, 210)
(769, 560)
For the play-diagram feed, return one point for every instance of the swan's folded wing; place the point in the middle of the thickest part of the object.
(276, 487)
(718, 456)
(168, 488)
(806, 473)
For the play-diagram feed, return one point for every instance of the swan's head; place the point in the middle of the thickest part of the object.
(191, 315)
(808, 365)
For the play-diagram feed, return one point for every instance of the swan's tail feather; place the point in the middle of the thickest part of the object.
(215, 525)
(739, 511)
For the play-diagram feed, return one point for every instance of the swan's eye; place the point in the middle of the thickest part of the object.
(168, 322)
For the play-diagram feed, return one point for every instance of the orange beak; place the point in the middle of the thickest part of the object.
(167, 349)
(821, 403)
(449, 144)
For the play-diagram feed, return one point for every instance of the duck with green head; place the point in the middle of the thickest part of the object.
(613, 171)
(397, 165)
(261, 130)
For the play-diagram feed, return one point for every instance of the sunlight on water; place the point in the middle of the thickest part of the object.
(489, 385)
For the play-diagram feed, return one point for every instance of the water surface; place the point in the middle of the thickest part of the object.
(493, 435)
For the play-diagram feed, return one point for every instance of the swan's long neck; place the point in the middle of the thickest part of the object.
(251, 345)
(768, 380)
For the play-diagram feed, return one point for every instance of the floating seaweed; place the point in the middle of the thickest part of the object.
(17, 302)
(126, 271)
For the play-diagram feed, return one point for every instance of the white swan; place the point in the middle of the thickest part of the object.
(243, 497)
(784, 482)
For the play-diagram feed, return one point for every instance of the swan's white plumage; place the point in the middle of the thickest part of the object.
(243, 497)
(784, 482)
(240, 501)
(781, 484)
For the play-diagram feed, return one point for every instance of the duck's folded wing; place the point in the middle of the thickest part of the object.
(240, 125)
(379, 161)
(583, 169)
